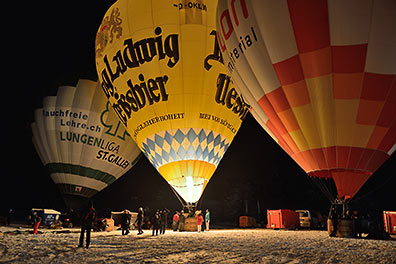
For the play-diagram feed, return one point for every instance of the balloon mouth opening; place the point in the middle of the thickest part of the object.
(188, 177)
(347, 181)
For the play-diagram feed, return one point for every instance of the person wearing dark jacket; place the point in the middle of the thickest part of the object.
(88, 218)
(125, 222)
(182, 217)
(163, 220)
(139, 221)
(156, 222)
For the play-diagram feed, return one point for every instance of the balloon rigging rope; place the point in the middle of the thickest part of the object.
(324, 188)
(178, 196)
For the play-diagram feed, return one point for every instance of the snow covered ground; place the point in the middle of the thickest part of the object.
(216, 246)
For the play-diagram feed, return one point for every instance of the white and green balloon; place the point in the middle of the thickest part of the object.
(80, 140)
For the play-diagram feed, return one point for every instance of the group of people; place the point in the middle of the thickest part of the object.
(89, 217)
(200, 219)
(180, 217)
(126, 221)
(178, 221)
(159, 221)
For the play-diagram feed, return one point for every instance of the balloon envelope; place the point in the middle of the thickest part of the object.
(321, 79)
(80, 140)
(161, 68)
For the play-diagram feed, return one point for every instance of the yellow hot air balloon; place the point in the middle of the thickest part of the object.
(161, 68)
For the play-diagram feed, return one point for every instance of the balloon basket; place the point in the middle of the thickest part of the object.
(190, 224)
(341, 228)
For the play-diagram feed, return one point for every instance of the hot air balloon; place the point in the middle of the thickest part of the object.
(81, 142)
(321, 79)
(161, 68)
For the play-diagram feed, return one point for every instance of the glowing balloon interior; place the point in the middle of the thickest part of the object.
(161, 68)
(80, 140)
(321, 79)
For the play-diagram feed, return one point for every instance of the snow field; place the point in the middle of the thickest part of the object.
(215, 246)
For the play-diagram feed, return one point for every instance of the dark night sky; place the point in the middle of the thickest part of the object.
(55, 46)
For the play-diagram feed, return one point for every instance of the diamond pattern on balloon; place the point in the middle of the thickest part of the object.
(185, 144)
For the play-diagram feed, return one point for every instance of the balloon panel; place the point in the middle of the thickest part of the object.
(160, 66)
(321, 78)
(80, 140)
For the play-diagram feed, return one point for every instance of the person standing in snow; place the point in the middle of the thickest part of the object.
(199, 222)
(125, 222)
(139, 221)
(89, 216)
(163, 220)
(358, 224)
(182, 217)
(334, 217)
(156, 222)
(207, 219)
(36, 222)
(175, 221)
